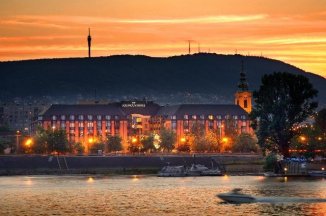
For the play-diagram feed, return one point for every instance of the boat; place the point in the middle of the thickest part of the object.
(172, 171)
(201, 170)
(321, 173)
(196, 170)
(272, 174)
(236, 197)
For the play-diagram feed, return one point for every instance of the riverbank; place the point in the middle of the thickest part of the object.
(116, 164)
(232, 164)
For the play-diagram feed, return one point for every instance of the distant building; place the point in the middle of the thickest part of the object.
(20, 114)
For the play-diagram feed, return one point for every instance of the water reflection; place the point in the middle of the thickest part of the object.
(90, 180)
(118, 195)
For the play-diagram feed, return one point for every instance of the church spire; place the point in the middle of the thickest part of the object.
(243, 84)
(243, 96)
(89, 40)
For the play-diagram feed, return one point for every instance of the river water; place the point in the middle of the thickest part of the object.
(150, 195)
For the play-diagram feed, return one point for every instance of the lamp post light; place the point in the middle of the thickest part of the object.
(28, 144)
(221, 126)
(90, 141)
(17, 141)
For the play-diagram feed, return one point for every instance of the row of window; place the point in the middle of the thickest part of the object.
(210, 117)
(82, 117)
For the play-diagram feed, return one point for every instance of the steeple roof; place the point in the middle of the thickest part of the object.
(243, 84)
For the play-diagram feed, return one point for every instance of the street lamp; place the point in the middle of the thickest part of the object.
(303, 138)
(90, 141)
(221, 126)
(17, 141)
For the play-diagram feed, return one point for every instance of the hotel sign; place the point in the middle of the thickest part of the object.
(133, 104)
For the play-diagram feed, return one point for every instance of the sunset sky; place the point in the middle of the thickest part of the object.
(292, 31)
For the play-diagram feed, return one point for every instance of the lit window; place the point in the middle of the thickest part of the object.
(185, 116)
(90, 124)
(219, 117)
(54, 118)
(107, 117)
(63, 117)
(174, 117)
(194, 117)
(227, 117)
(243, 117)
(202, 116)
(80, 124)
(116, 117)
(138, 120)
(63, 125)
(71, 124)
(210, 117)
(81, 117)
(235, 117)
(89, 117)
(72, 117)
(99, 117)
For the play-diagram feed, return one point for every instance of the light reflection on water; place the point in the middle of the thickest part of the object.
(149, 195)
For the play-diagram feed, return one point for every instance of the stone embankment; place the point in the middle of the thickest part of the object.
(124, 164)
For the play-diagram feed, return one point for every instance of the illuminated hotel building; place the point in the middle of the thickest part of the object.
(130, 119)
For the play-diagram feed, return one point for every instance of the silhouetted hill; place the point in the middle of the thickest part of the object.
(211, 77)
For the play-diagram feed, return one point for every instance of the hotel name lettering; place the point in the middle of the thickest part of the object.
(133, 105)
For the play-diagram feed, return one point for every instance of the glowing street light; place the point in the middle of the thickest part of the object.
(183, 139)
(134, 140)
(303, 138)
(91, 140)
(28, 142)
(225, 139)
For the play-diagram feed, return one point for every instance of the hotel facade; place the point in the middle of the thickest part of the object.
(130, 119)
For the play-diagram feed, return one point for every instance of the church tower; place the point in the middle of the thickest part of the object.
(243, 97)
(89, 40)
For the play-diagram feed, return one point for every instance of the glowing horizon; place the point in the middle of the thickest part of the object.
(293, 33)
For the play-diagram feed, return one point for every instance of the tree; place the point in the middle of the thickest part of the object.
(114, 143)
(309, 141)
(283, 101)
(196, 138)
(57, 140)
(168, 139)
(40, 144)
(97, 146)
(245, 142)
(213, 141)
(148, 143)
(231, 131)
(320, 120)
(78, 148)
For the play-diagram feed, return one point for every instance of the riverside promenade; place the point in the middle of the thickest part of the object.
(124, 164)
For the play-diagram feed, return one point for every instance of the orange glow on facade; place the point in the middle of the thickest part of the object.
(294, 33)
